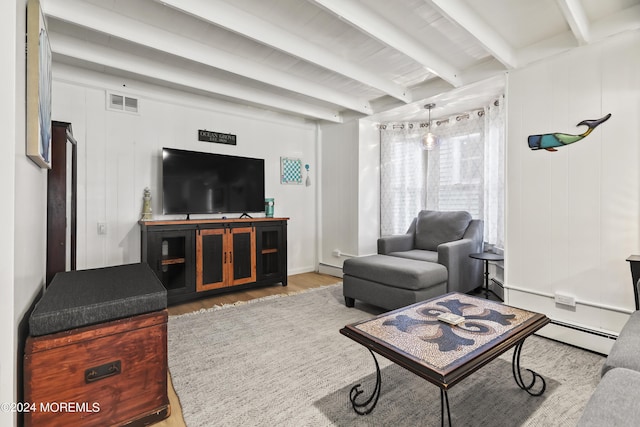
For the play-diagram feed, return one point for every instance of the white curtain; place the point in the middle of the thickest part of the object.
(402, 176)
(455, 174)
(465, 171)
(494, 142)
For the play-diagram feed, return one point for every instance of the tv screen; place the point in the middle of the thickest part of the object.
(206, 183)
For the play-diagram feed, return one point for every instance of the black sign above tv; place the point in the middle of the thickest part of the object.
(222, 138)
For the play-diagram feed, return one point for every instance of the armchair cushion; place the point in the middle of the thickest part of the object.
(434, 228)
(417, 254)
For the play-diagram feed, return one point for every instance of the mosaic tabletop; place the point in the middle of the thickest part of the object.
(435, 349)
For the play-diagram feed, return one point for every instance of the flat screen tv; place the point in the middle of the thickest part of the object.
(206, 183)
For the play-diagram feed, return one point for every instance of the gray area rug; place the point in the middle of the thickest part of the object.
(282, 362)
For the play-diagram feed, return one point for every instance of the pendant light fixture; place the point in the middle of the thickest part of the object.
(429, 140)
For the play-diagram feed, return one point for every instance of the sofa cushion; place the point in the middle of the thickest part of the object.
(615, 400)
(626, 350)
(396, 272)
(434, 228)
(86, 297)
(417, 254)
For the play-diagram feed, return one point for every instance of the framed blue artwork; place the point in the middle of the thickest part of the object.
(38, 87)
(290, 170)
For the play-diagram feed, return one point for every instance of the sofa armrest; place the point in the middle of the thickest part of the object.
(624, 353)
(397, 243)
(462, 269)
(614, 401)
(451, 253)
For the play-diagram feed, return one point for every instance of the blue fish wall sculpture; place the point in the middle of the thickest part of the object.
(550, 141)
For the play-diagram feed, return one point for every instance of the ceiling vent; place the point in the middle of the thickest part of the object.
(117, 102)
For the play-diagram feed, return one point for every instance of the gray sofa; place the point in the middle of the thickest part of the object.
(430, 259)
(615, 400)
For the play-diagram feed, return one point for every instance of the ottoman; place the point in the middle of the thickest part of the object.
(391, 282)
(97, 350)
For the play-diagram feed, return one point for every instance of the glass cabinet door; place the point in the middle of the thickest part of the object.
(171, 259)
(270, 251)
(243, 255)
(225, 257)
(212, 259)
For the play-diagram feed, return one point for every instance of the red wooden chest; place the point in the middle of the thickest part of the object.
(114, 373)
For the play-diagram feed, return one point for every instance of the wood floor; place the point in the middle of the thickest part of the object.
(296, 283)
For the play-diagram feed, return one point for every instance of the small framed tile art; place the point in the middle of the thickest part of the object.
(290, 171)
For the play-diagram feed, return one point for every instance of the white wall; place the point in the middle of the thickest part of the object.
(9, 69)
(573, 216)
(23, 219)
(368, 187)
(339, 198)
(119, 155)
(350, 197)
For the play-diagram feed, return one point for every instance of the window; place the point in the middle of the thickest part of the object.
(404, 173)
(455, 181)
(464, 172)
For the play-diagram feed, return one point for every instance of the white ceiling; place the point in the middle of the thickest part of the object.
(330, 59)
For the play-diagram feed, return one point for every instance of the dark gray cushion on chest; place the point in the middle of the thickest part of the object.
(86, 297)
(434, 228)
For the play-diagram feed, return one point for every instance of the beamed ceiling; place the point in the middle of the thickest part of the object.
(329, 60)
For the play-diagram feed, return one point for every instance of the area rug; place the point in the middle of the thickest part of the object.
(281, 361)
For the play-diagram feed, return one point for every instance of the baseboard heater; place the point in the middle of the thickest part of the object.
(497, 283)
(569, 325)
(329, 269)
(585, 330)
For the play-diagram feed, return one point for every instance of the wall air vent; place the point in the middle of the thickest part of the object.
(131, 104)
(118, 102)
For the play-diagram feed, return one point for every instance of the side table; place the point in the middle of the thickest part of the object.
(634, 262)
(486, 257)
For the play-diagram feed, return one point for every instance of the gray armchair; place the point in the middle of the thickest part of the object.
(446, 238)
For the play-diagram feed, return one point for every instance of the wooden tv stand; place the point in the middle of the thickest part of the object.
(197, 258)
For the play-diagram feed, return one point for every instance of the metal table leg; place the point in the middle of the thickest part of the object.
(444, 398)
(486, 278)
(364, 408)
(517, 374)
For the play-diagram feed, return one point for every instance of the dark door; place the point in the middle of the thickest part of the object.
(61, 201)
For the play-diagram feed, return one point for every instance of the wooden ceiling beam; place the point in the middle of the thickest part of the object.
(458, 11)
(122, 27)
(366, 20)
(98, 54)
(576, 17)
(224, 15)
(624, 20)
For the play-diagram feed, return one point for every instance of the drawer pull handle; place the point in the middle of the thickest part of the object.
(103, 371)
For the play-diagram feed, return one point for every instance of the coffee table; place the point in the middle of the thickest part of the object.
(445, 354)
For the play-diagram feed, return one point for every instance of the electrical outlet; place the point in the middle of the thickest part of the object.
(565, 299)
(102, 228)
(336, 253)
